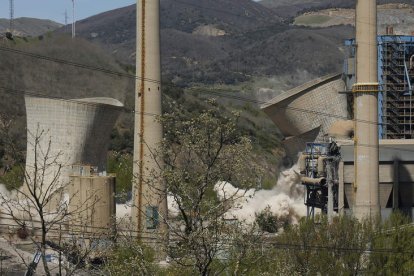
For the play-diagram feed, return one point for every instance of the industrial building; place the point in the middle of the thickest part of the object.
(67, 145)
(396, 176)
(92, 203)
(374, 174)
(395, 78)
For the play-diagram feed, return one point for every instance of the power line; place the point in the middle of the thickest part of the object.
(74, 64)
(77, 101)
(120, 74)
(132, 111)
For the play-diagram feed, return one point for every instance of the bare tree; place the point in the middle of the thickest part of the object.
(40, 207)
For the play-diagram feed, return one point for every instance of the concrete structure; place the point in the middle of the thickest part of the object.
(69, 132)
(150, 201)
(304, 113)
(365, 90)
(391, 62)
(91, 203)
(396, 177)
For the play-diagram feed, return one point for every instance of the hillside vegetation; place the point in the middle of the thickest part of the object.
(254, 41)
(399, 16)
(21, 73)
(25, 26)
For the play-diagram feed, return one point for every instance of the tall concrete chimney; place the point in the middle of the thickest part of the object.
(150, 203)
(365, 92)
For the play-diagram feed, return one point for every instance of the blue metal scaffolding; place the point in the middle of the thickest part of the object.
(395, 77)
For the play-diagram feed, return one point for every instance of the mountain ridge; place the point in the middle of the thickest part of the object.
(27, 26)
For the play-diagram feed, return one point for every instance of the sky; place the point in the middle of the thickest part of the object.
(55, 9)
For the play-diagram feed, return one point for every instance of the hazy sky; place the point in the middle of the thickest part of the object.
(55, 9)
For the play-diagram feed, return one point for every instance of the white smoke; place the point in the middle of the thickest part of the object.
(3, 192)
(283, 200)
(123, 211)
(173, 209)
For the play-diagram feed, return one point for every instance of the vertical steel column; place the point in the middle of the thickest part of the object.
(341, 189)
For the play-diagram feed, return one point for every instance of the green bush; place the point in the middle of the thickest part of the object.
(121, 165)
(13, 179)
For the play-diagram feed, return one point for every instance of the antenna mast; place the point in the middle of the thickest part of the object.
(66, 20)
(11, 25)
(73, 19)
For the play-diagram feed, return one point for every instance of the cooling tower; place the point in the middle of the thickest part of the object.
(150, 201)
(304, 114)
(78, 132)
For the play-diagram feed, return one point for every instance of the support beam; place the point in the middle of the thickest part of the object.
(396, 184)
(341, 189)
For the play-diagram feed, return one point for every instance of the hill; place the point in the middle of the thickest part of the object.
(31, 73)
(219, 41)
(400, 16)
(25, 26)
(237, 48)
(292, 8)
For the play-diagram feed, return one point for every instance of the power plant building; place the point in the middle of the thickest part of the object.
(396, 176)
(395, 77)
(302, 120)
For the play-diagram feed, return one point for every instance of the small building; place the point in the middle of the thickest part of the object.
(91, 203)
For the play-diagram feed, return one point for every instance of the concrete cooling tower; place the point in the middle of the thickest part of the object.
(304, 114)
(71, 132)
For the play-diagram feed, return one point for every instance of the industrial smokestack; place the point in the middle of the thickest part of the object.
(150, 203)
(365, 92)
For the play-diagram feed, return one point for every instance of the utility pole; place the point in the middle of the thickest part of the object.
(66, 20)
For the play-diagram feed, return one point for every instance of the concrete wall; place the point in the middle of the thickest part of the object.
(78, 132)
(92, 202)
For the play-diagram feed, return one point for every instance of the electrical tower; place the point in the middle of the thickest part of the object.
(11, 2)
(66, 20)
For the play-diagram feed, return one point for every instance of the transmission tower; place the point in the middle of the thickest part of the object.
(11, 2)
(66, 20)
